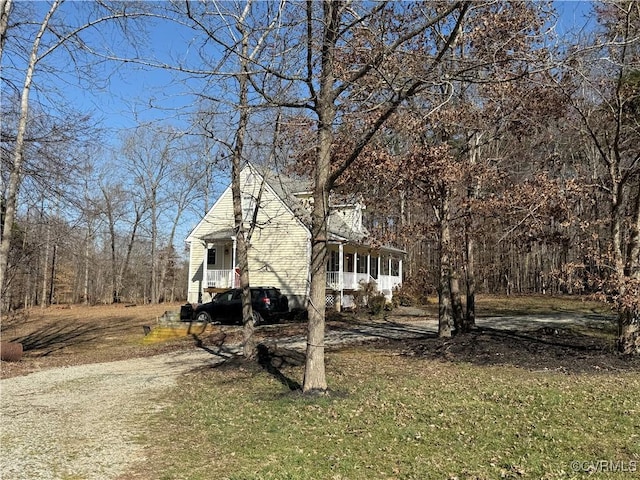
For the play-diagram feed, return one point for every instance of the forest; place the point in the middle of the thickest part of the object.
(496, 144)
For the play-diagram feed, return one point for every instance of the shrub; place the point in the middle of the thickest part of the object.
(377, 304)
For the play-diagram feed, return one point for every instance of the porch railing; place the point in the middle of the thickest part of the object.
(351, 281)
(221, 278)
(388, 282)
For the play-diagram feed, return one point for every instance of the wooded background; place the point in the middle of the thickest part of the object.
(514, 168)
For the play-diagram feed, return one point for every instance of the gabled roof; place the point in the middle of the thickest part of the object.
(289, 189)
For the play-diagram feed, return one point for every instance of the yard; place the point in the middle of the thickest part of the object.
(542, 403)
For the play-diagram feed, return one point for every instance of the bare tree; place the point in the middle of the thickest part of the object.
(49, 37)
(242, 35)
(332, 34)
(604, 93)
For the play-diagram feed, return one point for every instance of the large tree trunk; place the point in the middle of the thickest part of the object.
(629, 317)
(445, 314)
(314, 374)
(629, 331)
(469, 321)
(248, 321)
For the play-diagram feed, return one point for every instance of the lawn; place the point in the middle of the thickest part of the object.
(396, 412)
(541, 405)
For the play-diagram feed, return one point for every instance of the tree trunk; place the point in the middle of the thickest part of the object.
(18, 153)
(314, 374)
(154, 248)
(629, 331)
(53, 274)
(470, 271)
(248, 321)
(5, 10)
(45, 267)
(445, 314)
(456, 301)
(470, 316)
(629, 317)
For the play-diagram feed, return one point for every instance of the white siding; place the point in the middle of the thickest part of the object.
(279, 245)
(278, 252)
(196, 255)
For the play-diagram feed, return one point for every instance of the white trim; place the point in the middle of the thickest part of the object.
(341, 270)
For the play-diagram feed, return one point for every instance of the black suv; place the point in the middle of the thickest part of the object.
(269, 305)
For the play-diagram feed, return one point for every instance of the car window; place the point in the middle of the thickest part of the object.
(237, 294)
(255, 294)
(272, 293)
(223, 297)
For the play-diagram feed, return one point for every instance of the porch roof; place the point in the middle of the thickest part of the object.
(222, 234)
(388, 249)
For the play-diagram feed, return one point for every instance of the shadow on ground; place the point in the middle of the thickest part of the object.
(546, 349)
(57, 336)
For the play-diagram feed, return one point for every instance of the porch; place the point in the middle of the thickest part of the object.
(353, 281)
(222, 279)
(219, 263)
(349, 267)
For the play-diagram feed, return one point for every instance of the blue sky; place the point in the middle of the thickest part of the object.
(135, 94)
(138, 93)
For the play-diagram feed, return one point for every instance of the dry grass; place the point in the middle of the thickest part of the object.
(393, 416)
(72, 335)
(76, 334)
(422, 409)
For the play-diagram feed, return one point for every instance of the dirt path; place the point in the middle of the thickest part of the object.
(87, 421)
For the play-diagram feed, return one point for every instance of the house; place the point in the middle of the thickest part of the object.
(278, 207)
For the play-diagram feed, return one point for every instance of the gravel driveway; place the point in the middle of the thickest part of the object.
(83, 422)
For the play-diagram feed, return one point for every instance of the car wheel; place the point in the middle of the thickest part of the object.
(203, 317)
(257, 319)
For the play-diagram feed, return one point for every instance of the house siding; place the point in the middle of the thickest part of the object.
(219, 217)
(278, 252)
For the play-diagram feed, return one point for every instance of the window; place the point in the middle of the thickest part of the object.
(334, 261)
(373, 265)
(348, 262)
(395, 267)
(248, 206)
(361, 266)
(384, 266)
(211, 256)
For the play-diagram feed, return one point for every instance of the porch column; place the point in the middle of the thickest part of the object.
(400, 269)
(379, 271)
(233, 254)
(233, 262)
(368, 266)
(355, 270)
(205, 267)
(341, 271)
(389, 265)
